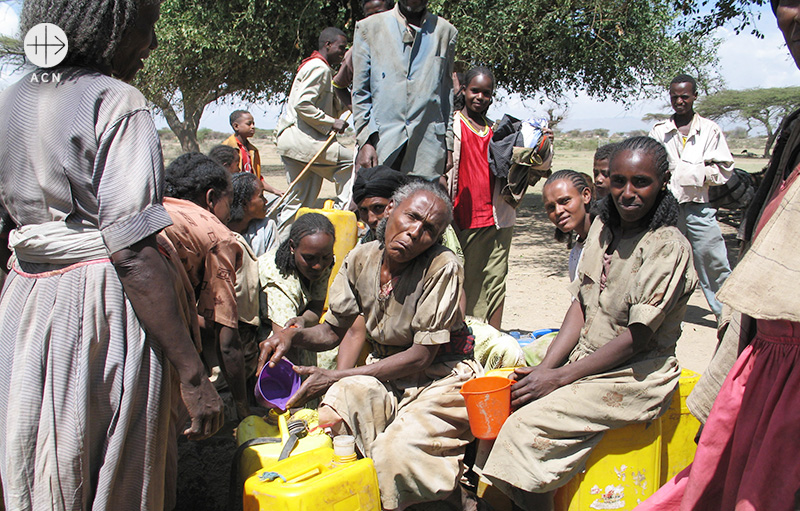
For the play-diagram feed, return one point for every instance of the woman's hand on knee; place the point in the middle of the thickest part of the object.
(533, 383)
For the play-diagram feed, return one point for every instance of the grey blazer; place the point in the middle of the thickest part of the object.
(403, 90)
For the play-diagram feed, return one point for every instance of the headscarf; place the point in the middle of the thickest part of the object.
(380, 181)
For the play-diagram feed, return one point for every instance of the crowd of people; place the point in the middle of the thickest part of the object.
(136, 292)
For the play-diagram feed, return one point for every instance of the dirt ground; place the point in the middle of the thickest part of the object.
(536, 298)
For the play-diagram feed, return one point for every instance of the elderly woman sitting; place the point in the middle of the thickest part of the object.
(403, 407)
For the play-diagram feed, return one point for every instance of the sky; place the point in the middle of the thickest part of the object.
(744, 62)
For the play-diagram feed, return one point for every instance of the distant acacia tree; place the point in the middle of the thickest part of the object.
(755, 107)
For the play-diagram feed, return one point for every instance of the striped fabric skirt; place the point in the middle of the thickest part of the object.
(84, 396)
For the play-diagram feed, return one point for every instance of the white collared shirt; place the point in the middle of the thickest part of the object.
(701, 161)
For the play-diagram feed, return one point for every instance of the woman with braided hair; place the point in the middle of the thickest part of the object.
(95, 354)
(613, 362)
(567, 197)
(294, 278)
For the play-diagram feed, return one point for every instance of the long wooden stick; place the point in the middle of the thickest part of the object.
(322, 149)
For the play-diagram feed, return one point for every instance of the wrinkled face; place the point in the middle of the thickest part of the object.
(682, 97)
(565, 205)
(245, 126)
(256, 207)
(372, 210)
(136, 44)
(788, 14)
(414, 226)
(478, 94)
(635, 186)
(313, 255)
(601, 183)
(336, 51)
(220, 204)
(374, 7)
(414, 6)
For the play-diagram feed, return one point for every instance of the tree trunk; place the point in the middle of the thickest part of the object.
(770, 139)
(185, 130)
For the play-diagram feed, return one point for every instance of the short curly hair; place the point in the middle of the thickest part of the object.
(306, 225)
(244, 187)
(666, 210)
(191, 175)
(94, 28)
(223, 154)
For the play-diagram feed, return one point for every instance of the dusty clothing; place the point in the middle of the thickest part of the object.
(286, 297)
(252, 152)
(211, 255)
(748, 443)
(486, 248)
(485, 268)
(309, 115)
(414, 428)
(262, 236)
(504, 213)
(575, 255)
(776, 275)
(422, 308)
(247, 285)
(700, 160)
(84, 392)
(747, 455)
(248, 293)
(650, 280)
(403, 90)
(302, 130)
(697, 161)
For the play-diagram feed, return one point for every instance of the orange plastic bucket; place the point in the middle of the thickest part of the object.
(488, 405)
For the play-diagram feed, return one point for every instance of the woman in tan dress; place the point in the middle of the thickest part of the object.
(613, 362)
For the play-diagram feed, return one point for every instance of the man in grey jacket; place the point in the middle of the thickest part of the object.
(403, 89)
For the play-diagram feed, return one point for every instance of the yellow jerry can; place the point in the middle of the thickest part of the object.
(346, 226)
(278, 427)
(678, 429)
(314, 481)
(629, 464)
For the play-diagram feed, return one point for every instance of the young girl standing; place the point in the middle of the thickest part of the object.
(484, 219)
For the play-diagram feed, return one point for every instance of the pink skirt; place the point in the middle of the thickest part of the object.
(749, 453)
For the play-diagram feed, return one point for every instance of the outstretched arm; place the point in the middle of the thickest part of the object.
(410, 361)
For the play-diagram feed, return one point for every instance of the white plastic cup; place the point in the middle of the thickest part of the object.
(344, 445)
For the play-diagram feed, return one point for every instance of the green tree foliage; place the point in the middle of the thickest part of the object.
(608, 48)
(248, 50)
(754, 107)
(243, 50)
(705, 15)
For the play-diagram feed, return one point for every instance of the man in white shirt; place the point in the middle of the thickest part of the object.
(698, 158)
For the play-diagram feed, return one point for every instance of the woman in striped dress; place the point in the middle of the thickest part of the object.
(93, 355)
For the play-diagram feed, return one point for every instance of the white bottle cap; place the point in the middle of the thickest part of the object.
(344, 445)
